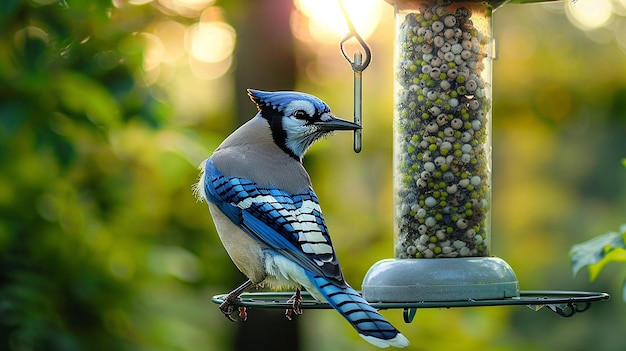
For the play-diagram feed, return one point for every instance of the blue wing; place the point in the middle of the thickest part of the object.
(289, 223)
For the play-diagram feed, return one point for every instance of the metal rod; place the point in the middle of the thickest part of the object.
(538, 299)
(358, 102)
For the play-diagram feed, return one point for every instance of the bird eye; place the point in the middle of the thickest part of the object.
(300, 114)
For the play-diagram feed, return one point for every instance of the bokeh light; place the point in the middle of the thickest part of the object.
(171, 34)
(153, 53)
(205, 47)
(210, 41)
(589, 14)
(186, 8)
(322, 20)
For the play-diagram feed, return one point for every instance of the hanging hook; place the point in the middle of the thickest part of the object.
(359, 64)
(352, 33)
(357, 67)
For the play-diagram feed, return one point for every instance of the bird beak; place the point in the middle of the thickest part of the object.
(337, 124)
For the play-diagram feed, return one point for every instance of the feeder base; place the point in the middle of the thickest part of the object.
(440, 279)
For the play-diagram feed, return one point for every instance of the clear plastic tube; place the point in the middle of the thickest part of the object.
(442, 128)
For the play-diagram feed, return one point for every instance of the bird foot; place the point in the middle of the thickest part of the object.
(228, 309)
(243, 314)
(296, 303)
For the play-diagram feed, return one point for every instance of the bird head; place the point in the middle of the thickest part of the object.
(297, 119)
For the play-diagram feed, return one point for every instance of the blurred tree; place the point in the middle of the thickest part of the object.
(68, 80)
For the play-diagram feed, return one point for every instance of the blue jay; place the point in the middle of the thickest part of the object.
(268, 216)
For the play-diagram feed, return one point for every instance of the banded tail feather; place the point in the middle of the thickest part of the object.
(370, 325)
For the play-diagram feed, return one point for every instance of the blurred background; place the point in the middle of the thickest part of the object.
(108, 106)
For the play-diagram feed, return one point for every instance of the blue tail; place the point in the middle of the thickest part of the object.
(370, 325)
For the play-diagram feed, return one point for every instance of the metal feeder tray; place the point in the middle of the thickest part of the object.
(563, 303)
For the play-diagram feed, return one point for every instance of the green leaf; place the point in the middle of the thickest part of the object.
(617, 254)
(599, 251)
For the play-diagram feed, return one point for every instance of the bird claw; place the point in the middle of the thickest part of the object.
(228, 309)
(296, 303)
(243, 314)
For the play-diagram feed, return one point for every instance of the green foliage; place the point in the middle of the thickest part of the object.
(599, 251)
(77, 191)
(596, 253)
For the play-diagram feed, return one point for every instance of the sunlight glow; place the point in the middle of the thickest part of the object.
(205, 47)
(210, 41)
(154, 52)
(589, 14)
(209, 70)
(326, 22)
(171, 34)
(620, 7)
(187, 8)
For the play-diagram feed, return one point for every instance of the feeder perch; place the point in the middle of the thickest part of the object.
(563, 303)
(442, 171)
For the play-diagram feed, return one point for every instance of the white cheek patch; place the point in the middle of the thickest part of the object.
(298, 135)
(301, 133)
(293, 126)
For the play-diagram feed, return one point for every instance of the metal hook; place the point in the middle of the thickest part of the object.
(359, 64)
(566, 310)
(352, 33)
(356, 67)
(409, 314)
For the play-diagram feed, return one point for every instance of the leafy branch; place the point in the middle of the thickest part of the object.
(596, 253)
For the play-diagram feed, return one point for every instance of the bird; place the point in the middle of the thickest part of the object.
(268, 216)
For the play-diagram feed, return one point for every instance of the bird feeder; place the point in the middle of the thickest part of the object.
(442, 158)
(442, 170)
